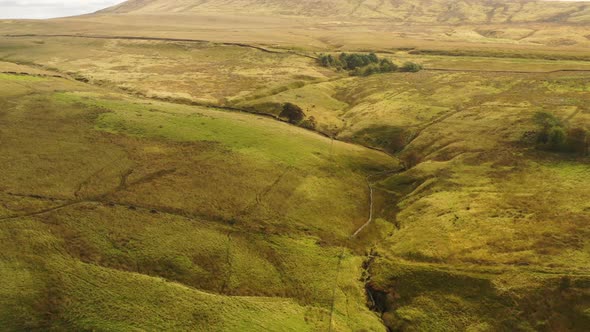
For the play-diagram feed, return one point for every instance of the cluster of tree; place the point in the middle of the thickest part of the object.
(348, 61)
(295, 115)
(556, 136)
(383, 66)
(365, 64)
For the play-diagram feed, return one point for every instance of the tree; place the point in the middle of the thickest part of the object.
(293, 113)
(551, 132)
(354, 61)
(326, 60)
(343, 60)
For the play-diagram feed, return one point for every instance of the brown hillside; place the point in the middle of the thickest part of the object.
(421, 11)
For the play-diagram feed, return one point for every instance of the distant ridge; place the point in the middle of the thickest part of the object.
(415, 11)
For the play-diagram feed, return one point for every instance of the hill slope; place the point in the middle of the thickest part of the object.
(492, 26)
(421, 11)
(154, 216)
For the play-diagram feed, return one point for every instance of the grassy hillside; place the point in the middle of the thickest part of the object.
(368, 110)
(191, 201)
(157, 209)
(198, 71)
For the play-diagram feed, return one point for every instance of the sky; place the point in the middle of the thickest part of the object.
(51, 8)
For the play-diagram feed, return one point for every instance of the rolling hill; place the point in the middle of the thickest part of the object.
(314, 25)
(421, 11)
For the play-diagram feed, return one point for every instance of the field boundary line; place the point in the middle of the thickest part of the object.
(506, 71)
(164, 39)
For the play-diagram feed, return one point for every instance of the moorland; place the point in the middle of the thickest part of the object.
(153, 177)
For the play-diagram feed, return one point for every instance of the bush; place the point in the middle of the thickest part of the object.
(367, 70)
(309, 123)
(327, 60)
(293, 113)
(386, 66)
(546, 120)
(411, 67)
(557, 137)
(554, 135)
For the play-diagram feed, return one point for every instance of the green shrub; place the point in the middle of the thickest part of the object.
(411, 67)
(309, 123)
(557, 137)
(546, 120)
(554, 135)
(327, 60)
(386, 66)
(367, 70)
